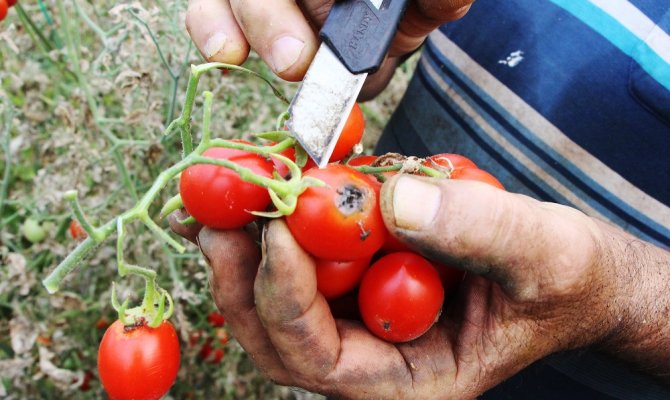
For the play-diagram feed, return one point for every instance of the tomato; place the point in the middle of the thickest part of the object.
(400, 297)
(3, 9)
(341, 221)
(289, 153)
(33, 230)
(335, 278)
(216, 319)
(451, 277)
(393, 245)
(138, 362)
(76, 230)
(345, 307)
(217, 197)
(85, 385)
(476, 174)
(448, 161)
(213, 351)
(351, 134)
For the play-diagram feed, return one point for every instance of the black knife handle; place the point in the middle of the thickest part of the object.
(359, 34)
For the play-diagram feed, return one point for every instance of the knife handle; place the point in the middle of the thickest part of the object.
(360, 34)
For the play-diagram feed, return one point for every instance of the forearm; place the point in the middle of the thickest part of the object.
(642, 336)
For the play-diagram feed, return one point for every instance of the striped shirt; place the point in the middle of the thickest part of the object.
(563, 100)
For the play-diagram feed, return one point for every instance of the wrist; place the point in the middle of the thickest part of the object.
(640, 311)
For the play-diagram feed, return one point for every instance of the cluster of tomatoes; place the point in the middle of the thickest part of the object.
(398, 293)
(4, 7)
(363, 271)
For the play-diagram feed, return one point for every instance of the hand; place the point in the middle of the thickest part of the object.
(543, 278)
(284, 32)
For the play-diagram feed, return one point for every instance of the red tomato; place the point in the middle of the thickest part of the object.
(216, 319)
(213, 351)
(448, 161)
(11, 2)
(351, 134)
(85, 385)
(451, 278)
(138, 362)
(3, 9)
(282, 169)
(400, 297)
(76, 230)
(393, 245)
(341, 221)
(217, 197)
(476, 174)
(336, 278)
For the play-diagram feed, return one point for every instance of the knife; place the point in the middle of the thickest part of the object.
(355, 39)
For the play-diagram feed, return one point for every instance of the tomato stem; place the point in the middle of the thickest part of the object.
(71, 197)
(173, 204)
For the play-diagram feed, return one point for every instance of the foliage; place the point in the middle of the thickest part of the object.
(87, 88)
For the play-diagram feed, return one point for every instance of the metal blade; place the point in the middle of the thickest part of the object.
(322, 104)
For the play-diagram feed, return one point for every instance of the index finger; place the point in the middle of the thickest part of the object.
(327, 356)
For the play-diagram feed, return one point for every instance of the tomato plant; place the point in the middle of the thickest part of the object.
(351, 134)
(282, 169)
(138, 362)
(476, 174)
(400, 297)
(217, 197)
(341, 221)
(212, 351)
(335, 278)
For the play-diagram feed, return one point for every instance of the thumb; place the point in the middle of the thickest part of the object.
(519, 242)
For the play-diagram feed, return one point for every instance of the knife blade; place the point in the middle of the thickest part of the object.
(356, 37)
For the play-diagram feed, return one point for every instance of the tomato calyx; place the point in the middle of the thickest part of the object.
(151, 312)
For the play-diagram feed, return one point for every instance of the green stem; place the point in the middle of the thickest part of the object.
(433, 173)
(25, 18)
(73, 259)
(158, 231)
(199, 69)
(7, 174)
(206, 119)
(173, 204)
(71, 197)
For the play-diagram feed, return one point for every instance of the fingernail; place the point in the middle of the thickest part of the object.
(415, 203)
(285, 52)
(215, 45)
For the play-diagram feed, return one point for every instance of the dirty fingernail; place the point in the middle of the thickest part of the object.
(285, 52)
(415, 203)
(215, 45)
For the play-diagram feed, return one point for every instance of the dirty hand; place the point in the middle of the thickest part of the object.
(542, 278)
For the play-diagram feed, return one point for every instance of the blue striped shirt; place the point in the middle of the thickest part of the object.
(564, 100)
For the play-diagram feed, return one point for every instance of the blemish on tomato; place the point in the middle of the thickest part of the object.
(350, 199)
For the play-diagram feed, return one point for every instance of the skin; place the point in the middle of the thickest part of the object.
(542, 278)
(226, 30)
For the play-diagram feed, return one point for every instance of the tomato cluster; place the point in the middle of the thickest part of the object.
(399, 294)
(4, 7)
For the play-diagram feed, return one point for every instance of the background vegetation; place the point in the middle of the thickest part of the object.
(87, 89)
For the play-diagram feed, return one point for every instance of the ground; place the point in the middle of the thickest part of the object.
(87, 90)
